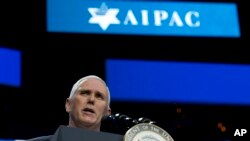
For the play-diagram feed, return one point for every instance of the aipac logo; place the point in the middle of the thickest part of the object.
(103, 16)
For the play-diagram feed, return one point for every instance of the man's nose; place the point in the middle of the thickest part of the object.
(92, 98)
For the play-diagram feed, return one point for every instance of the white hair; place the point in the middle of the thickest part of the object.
(83, 79)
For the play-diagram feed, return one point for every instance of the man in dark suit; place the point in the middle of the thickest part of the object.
(87, 104)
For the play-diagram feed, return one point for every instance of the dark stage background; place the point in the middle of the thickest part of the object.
(52, 62)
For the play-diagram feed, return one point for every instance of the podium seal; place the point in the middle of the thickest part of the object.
(147, 132)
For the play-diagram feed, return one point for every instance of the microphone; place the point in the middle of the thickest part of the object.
(120, 123)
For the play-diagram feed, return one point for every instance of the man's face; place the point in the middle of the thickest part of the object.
(89, 104)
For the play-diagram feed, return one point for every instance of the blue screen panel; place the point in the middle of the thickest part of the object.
(10, 67)
(143, 18)
(183, 82)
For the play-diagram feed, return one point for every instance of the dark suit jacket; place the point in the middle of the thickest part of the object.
(42, 138)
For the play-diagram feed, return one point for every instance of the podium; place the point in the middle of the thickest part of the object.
(65, 133)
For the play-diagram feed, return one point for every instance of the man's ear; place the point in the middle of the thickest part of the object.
(68, 105)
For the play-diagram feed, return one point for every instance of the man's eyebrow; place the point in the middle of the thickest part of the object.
(98, 92)
(87, 90)
(83, 90)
